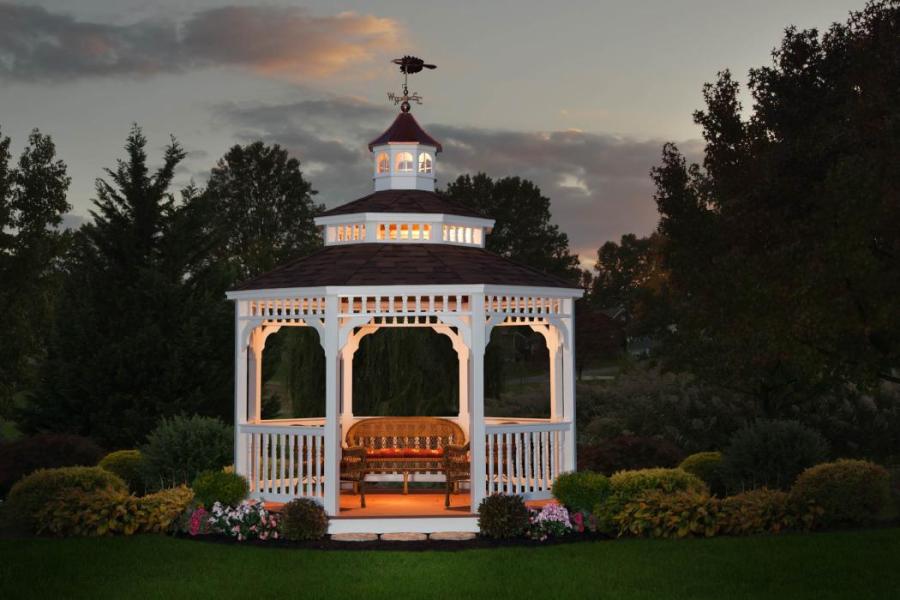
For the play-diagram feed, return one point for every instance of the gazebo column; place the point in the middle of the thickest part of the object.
(347, 387)
(241, 448)
(476, 386)
(330, 334)
(568, 377)
(464, 395)
(254, 375)
(556, 375)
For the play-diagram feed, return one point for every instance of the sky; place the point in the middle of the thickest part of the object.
(576, 96)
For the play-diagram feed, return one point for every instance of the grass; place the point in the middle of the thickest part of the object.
(855, 564)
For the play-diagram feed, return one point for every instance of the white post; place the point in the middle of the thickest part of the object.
(464, 399)
(556, 375)
(332, 423)
(241, 450)
(569, 385)
(346, 388)
(476, 385)
(254, 377)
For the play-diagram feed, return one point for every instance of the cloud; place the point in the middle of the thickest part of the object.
(288, 43)
(599, 184)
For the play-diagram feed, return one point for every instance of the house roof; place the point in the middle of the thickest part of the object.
(405, 128)
(402, 264)
(403, 201)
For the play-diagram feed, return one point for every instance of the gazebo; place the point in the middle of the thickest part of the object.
(402, 256)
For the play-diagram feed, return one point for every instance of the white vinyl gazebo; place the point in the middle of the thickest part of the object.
(402, 256)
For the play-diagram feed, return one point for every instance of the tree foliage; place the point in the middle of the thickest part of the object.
(32, 203)
(783, 248)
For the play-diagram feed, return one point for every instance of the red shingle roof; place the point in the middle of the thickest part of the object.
(405, 128)
(402, 264)
(404, 201)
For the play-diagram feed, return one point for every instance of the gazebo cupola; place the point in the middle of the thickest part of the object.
(404, 155)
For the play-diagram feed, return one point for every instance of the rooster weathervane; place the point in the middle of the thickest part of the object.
(408, 65)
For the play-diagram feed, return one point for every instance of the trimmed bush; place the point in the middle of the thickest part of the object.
(218, 486)
(108, 511)
(850, 492)
(303, 519)
(501, 516)
(708, 467)
(181, 448)
(76, 512)
(628, 452)
(127, 464)
(658, 514)
(581, 491)
(765, 511)
(159, 512)
(30, 493)
(771, 454)
(44, 451)
(629, 486)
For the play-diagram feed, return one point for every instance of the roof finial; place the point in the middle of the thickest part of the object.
(408, 65)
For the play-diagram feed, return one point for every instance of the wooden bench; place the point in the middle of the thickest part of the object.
(404, 445)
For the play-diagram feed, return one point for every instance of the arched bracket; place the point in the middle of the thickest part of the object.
(458, 344)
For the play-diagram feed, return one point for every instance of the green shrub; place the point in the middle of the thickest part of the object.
(44, 451)
(218, 486)
(680, 514)
(30, 493)
(77, 512)
(765, 511)
(628, 486)
(501, 516)
(303, 519)
(708, 467)
(127, 464)
(625, 452)
(850, 492)
(771, 454)
(159, 512)
(581, 491)
(181, 448)
(108, 511)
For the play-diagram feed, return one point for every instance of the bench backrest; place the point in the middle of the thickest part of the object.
(404, 432)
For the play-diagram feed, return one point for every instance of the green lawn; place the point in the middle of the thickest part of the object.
(853, 565)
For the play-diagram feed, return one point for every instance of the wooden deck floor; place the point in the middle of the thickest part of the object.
(418, 503)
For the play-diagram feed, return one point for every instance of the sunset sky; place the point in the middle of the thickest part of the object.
(577, 96)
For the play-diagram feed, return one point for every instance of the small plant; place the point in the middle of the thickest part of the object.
(501, 516)
(581, 491)
(44, 451)
(850, 492)
(765, 511)
(77, 512)
(303, 519)
(708, 467)
(219, 486)
(247, 521)
(181, 448)
(127, 464)
(628, 486)
(771, 454)
(658, 514)
(551, 521)
(198, 522)
(625, 452)
(159, 512)
(30, 493)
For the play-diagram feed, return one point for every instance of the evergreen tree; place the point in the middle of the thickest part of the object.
(32, 203)
(129, 345)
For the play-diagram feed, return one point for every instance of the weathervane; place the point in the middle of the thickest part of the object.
(408, 65)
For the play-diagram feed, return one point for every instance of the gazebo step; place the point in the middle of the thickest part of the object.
(454, 523)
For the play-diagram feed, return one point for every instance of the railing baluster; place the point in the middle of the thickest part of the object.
(527, 450)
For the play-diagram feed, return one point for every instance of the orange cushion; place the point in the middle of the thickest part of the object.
(404, 452)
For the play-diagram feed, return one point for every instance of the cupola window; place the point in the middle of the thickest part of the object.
(384, 163)
(404, 162)
(424, 163)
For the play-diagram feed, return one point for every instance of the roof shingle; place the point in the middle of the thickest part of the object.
(401, 264)
(404, 201)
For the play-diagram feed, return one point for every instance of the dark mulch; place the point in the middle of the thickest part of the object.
(480, 542)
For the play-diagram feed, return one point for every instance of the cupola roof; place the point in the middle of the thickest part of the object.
(405, 129)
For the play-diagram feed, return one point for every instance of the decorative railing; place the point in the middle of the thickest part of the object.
(285, 461)
(525, 458)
